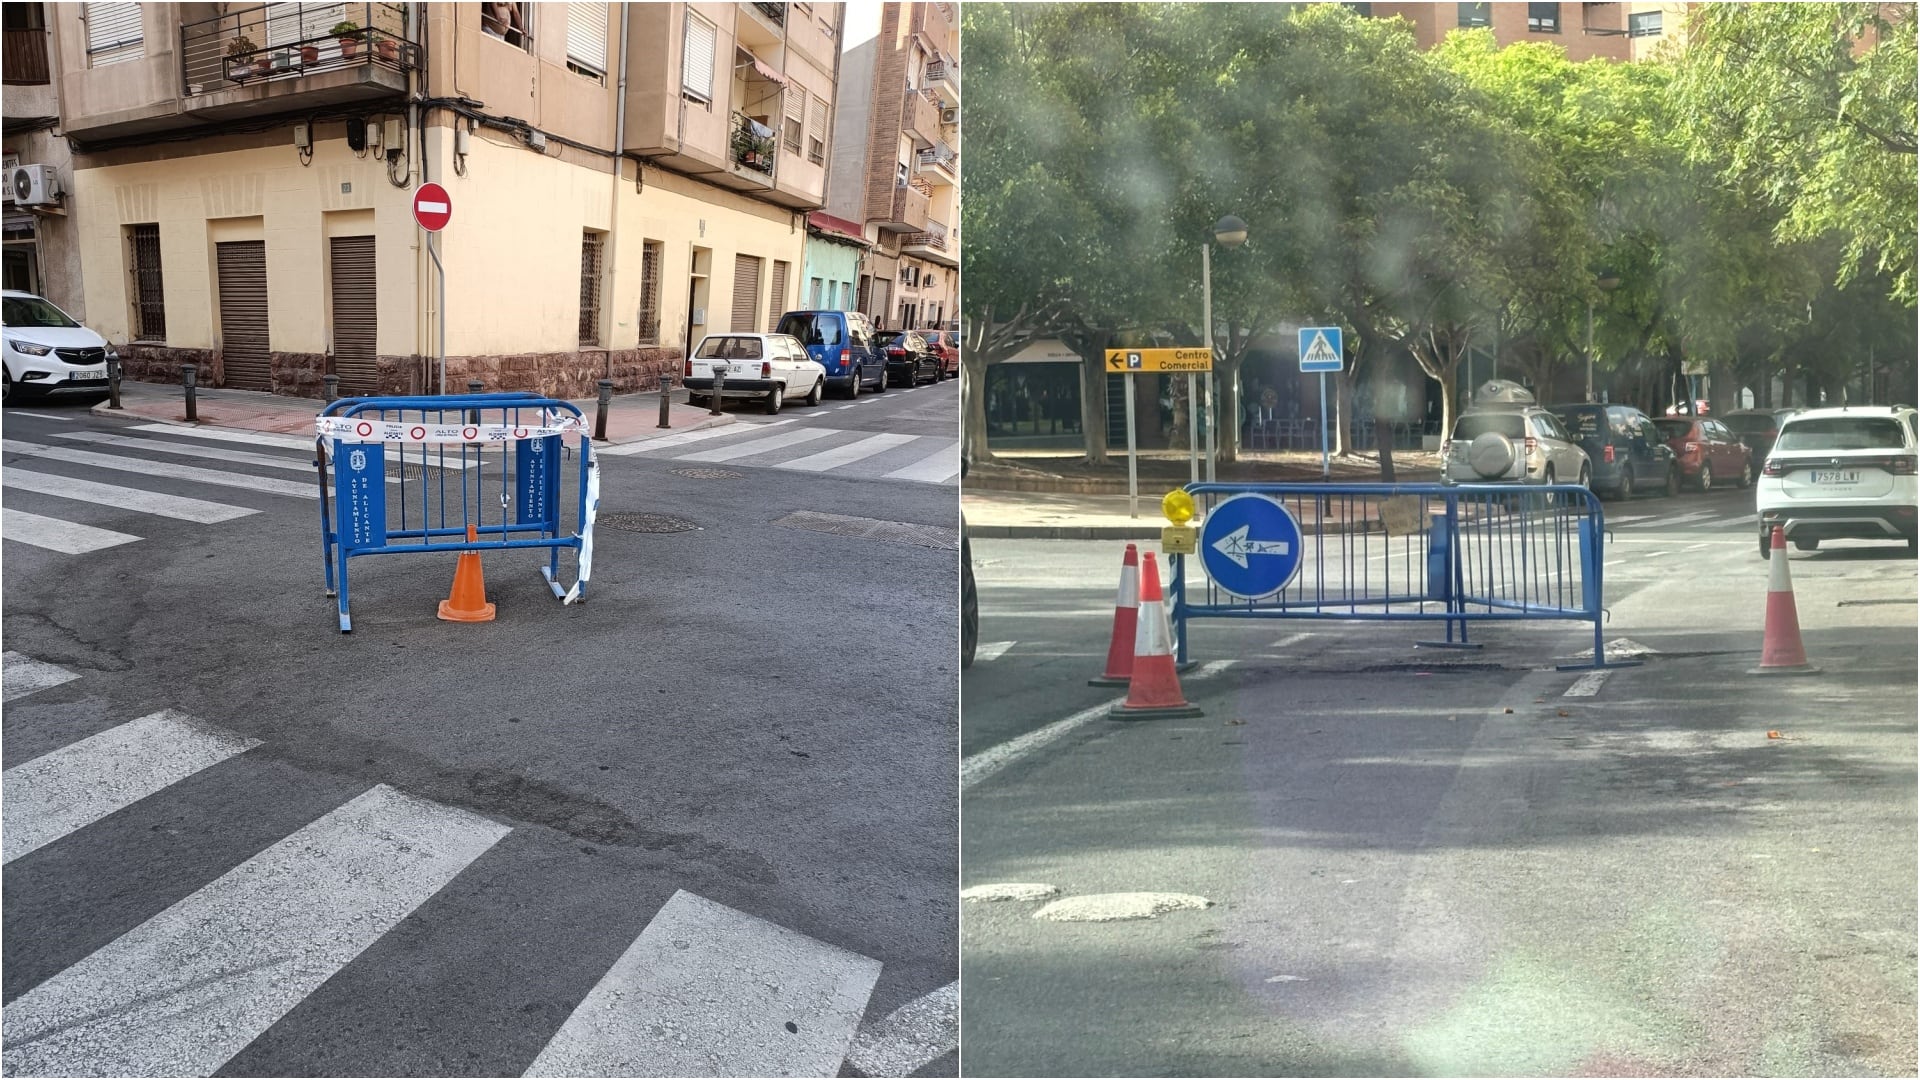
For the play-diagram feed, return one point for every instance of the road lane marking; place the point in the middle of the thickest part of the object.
(762, 445)
(188, 989)
(165, 468)
(65, 537)
(1654, 554)
(1587, 685)
(1211, 667)
(21, 675)
(210, 453)
(252, 438)
(991, 760)
(1630, 519)
(709, 991)
(847, 453)
(667, 442)
(43, 416)
(938, 467)
(993, 651)
(78, 784)
(1290, 639)
(908, 1038)
(1695, 547)
(178, 507)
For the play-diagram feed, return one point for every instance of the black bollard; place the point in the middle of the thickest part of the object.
(600, 416)
(719, 384)
(113, 380)
(666, 400)
(474, 386)
(188, 373)
(331, 386)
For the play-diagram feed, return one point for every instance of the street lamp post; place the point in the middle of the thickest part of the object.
(1228, 232)
(1607, 280)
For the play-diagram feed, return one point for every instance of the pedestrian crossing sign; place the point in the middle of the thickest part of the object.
(1320, 348)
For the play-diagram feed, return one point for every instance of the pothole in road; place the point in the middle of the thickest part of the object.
(1118, 907)
(1009, 890)
(647, 523)
(897, 532)
(707, 474)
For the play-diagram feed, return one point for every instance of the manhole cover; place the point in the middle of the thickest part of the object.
(708, 474)
(646, 523)
(897, 532)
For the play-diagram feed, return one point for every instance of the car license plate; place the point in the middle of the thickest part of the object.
(89, 373)
(1843, 476)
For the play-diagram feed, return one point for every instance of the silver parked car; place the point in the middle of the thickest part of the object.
(1505, 437)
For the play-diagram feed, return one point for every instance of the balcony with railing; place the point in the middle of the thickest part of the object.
(943, 77)
(907, 211)
(940, 163)
(932, 241)
(752, 149)
(311, 54)
(920, 116)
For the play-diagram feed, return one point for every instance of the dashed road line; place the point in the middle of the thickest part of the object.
(991, 760)
(1587, 685)
(993, 651)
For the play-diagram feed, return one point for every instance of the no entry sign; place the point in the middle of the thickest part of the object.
(432, 207)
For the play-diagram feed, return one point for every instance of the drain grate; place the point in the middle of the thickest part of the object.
(708, 474)
(646, 523)
(896, 532)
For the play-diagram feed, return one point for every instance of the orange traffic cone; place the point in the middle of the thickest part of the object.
(468, 601)
(1126, 617)
(1153, 693)
(1780, 651)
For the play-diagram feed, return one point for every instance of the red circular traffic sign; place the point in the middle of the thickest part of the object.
(432, 207)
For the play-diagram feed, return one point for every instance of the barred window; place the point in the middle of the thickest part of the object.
(590, 288)
(149, 302)
(651, 255)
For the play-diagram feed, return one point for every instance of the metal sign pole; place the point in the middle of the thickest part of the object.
(1206, 321)
(1326, 470)
(440, 312)
(1133, 463)
(1193, 430)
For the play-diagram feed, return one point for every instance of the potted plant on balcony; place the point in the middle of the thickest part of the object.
(239, 58)
(388, 48)
(309, 54)
(348, 32)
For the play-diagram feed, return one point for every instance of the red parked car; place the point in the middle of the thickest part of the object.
(1707, 451)
(946, 345)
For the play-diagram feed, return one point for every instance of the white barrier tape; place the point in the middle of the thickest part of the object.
(351, 429)
(586, 533)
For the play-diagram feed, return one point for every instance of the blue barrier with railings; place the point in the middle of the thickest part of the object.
(1405, 552)
(414, 474)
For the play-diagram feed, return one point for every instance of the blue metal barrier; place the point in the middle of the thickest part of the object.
(1454, 555)
(439, 453)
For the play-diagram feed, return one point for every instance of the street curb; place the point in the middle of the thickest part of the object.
(1064, 532)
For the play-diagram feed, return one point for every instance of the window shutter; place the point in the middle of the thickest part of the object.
(113, 33)
(696, 65)
(796, 106)
(746, 290)
(291, 23)
(777, 295)
(587, 35)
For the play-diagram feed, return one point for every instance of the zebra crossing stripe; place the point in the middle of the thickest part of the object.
(908, 1038)
(188, 989)
(178, 507)
(666, 442)
(991, 651)
(847, 453)
(66, 537)
(167, 469)
(757, 446)
(80, 783)
(251, 438)
(22, 675)
(938, 467)
(209, 453)
(709, 991)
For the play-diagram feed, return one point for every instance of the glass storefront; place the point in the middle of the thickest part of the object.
(1034, 406)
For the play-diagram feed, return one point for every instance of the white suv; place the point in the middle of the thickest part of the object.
(47, 352)
(1846, 472)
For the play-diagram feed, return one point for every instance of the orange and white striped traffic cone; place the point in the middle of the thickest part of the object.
(1153, 693)
(1126, 618)
(1781, 652)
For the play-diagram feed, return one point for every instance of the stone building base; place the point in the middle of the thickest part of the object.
(556, 375)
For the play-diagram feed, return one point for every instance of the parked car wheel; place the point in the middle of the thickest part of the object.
(1706, 476)
(853, 388)
(881, 386)
(1749, 474)
(1766, 542)
(1806, 545)
(819, 391)
(6, 393)
(695, 399)
(775, 397)
(1625, 491)
(969, 607)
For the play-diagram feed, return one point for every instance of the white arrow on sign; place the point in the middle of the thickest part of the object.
(1237, 547)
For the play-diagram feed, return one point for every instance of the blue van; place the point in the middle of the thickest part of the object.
(841, 342)
(1627, 451)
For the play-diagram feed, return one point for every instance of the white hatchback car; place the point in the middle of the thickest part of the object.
(47, 353)
(769, 367)
(1848, 472)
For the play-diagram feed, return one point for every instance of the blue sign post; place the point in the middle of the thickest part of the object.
(1320, 350)
(1250, 546)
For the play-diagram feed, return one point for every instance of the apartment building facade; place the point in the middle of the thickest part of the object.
(40, 253)
(896, 160)
(624, 179)
(1587, 31)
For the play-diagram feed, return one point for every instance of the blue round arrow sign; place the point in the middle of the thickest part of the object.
(1250, 546)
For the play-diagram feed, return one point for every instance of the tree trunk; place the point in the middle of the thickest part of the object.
(1227, 408)
(1093, 398)
(1383, 442)
(973, 391)
(1337, 416)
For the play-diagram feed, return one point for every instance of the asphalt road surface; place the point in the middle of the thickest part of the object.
(702, 823)
(1430, 862)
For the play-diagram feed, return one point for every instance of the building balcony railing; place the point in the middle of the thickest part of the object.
(753, 144)
(934, 239)
(775, 12)
(920, 116)
(944, 73)
(287, 41)
(908, 209)
(941, 161)
(25, 59)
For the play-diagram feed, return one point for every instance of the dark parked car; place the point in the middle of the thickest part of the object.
(1758, 428)
(1708, 452)
(1627, 452)
(909, 358)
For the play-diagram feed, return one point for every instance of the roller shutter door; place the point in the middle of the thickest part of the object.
(777, 296)
(356, 322)
(882, 299)
(243, 315)
(113, 33)
(746, 293)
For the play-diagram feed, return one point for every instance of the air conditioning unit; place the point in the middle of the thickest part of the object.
(33, 185)
(950, 116)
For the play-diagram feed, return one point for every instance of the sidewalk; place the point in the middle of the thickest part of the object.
(631, 418)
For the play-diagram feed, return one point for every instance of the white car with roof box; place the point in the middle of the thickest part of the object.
(765, 367)
(48, 352)
(1849, 472)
